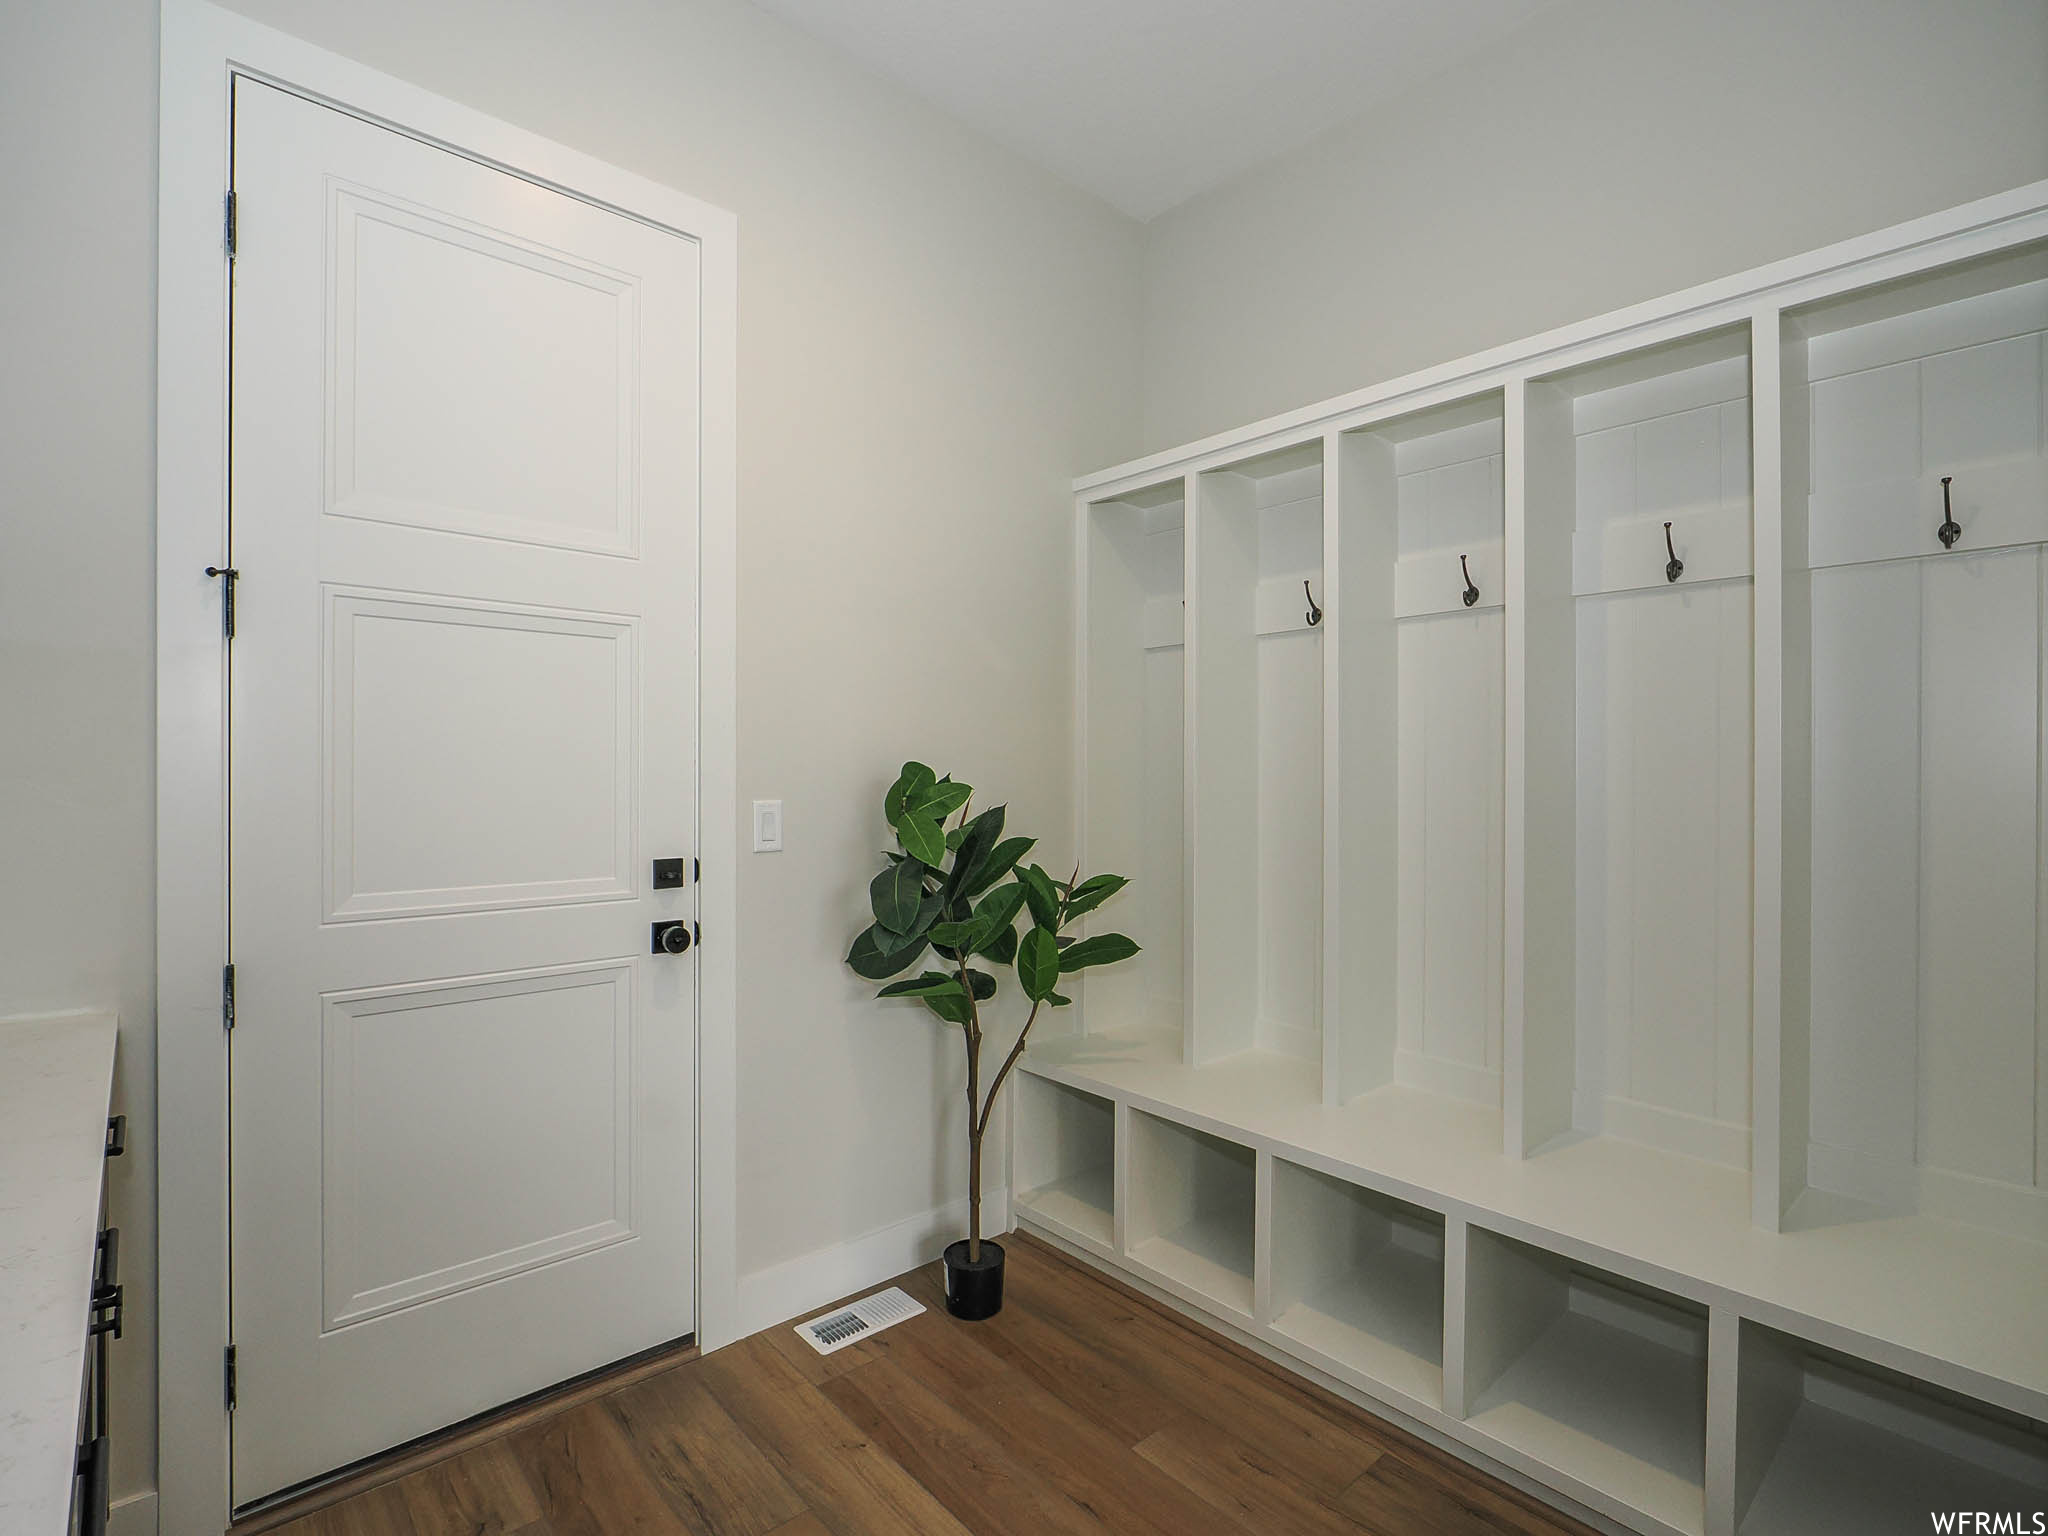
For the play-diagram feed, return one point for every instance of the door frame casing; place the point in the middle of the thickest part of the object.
(203, 48)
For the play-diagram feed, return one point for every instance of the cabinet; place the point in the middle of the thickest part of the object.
(1594, 1007)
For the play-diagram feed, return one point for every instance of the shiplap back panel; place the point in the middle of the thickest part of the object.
(1223, 764)
(1135, 757)
(1664, 752)
(1364, 704)
(1451, 666)
(1930, 1057)
(1289, 509)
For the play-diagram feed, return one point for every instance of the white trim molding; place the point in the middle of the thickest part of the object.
(203, 49)
(800, 1286)
(1984, 227)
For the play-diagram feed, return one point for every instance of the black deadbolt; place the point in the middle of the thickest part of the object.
(669, 874)
(671, 938)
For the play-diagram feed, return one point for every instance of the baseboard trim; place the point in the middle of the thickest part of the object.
(797, 1287)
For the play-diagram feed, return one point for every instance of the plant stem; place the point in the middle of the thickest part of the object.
(996, 1087)
(979, 1110)
(973, 1041)
(974, 1128)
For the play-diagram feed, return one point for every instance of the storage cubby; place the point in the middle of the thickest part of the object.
(1358, 1281)
(1917, 1060)
(1134, 751)
(1599, 1379)
(1830, 1446)
(1257, 567)
(1065, 1170)
(1192, 1202)
(1421, 579)
(1665, 924)
(1637, 658)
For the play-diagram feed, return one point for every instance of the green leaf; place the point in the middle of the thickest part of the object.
(937, 801)
(878, 954)
(1102, 949)
(951, 935)
(928, 912)
(952, 1007)
(978, 836)
(998, 910)
(1002, 948)
(896, 893)
(1101, 883)
(1092, 893)
(1057, 1001)
(998, 862)
(914, 779)
(925, 984)
(923, 840)
(1038, 964)
(939, 992)
(984, 985)
(1039, 892)
(953, 837)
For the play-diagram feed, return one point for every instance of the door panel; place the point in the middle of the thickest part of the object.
(429, 1186)
(445, 417)
(478, 756)
(464, 480)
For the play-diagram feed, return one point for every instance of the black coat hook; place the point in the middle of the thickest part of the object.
(1315, 614)
(228, 576)
(1950, 530)
(1471, 592)
(1675, 568)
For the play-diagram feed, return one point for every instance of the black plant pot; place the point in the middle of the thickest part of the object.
(974, 1290)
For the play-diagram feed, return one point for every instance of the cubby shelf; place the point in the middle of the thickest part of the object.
(1066, 1160)
(1914, 1071)
(1963, 1298)
(1603, 1383)
(1633, 627)
(1358, 1282)
(1191, 1217)
(1842, 1450)
(1637, 878)
(1419, 801)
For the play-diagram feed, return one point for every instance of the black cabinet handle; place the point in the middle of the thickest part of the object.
(94, 1503)
(117, 1135)
(107, 1295)
(106, 1268)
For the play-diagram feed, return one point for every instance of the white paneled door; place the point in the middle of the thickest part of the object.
(464, 512)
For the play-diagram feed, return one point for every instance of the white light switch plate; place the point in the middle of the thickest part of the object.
(767, 826)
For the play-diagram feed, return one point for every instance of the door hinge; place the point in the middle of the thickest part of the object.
(227, 996)
(228, 226)
(227, 1377)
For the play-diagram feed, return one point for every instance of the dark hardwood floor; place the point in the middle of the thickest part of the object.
(1083, 1407)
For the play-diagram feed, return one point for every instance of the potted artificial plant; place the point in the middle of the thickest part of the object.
(960, 893)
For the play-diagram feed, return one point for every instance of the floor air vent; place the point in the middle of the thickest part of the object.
(849, 1325)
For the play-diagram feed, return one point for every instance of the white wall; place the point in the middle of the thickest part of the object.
(77, 572)
(1611, 151)
(933, 337)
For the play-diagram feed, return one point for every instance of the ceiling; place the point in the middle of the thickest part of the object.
(1147, 102)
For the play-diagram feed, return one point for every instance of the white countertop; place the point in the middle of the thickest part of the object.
(56, 1075)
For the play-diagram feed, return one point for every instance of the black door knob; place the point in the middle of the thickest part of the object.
(671, 938)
